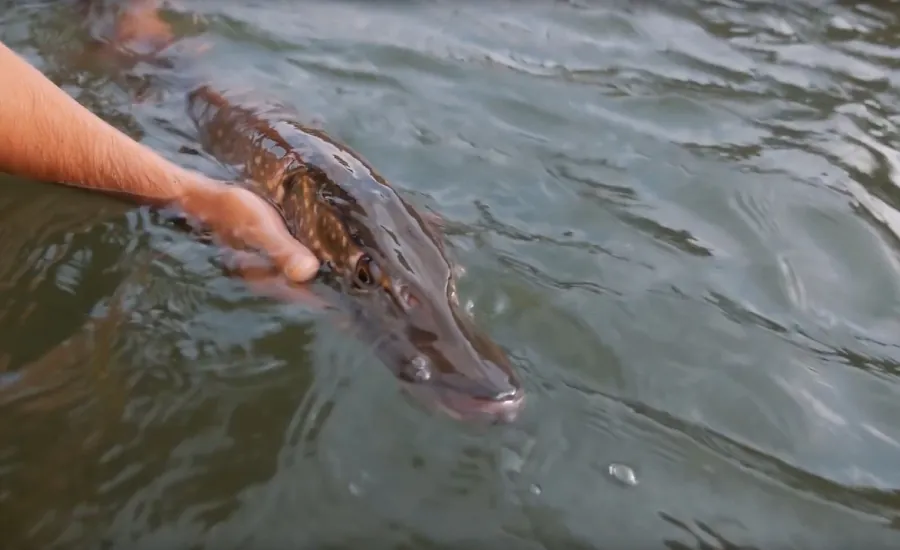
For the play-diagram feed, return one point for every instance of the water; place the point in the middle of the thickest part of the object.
(679, 217)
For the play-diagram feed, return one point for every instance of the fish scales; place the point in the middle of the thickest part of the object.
(384, 256)
(314, 180)
(385, 261)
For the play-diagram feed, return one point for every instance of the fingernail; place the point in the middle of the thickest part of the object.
(301, 267)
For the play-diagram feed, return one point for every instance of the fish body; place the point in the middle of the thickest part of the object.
(386, 260)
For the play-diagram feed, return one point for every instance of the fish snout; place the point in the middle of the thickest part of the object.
(458, 369)
(496, 398)
(500, 408)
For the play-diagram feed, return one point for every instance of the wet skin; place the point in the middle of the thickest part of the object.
(384, 258)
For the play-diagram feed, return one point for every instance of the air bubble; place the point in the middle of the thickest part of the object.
(623, 474)
(421, 369)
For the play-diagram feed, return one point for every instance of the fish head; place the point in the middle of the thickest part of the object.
(406, 296)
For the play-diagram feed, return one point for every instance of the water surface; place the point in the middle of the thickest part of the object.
(677, 216)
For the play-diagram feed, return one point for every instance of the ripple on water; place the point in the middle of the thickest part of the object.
(677, 218)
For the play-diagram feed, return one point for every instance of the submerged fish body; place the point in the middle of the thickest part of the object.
(385, 259)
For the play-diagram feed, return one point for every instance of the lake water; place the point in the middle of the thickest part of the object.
(676, 216)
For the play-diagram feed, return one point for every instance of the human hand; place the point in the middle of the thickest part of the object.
(243, 220)
(36, 116)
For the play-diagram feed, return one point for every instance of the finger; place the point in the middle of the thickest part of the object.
(266, 232)
(294, 260)
(258, 274)
(276, 288)
(246, 265)
(300, 267)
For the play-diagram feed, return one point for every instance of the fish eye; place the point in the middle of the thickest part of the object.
(366, 272)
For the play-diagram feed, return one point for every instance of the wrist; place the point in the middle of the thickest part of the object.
(193, 190)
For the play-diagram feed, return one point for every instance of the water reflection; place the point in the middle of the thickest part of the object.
(680, 219)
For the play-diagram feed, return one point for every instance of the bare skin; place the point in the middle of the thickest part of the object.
(46, 135)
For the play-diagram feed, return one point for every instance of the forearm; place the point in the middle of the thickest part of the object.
(46, 135)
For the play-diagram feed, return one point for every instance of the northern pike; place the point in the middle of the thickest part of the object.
(385, 259)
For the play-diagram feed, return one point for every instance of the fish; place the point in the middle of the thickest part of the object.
(384, 258)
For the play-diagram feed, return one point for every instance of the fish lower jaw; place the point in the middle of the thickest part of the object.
(471, 409)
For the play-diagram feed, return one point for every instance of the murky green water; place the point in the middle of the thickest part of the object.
(676, 216)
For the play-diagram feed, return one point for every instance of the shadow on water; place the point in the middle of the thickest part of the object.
(108, 377)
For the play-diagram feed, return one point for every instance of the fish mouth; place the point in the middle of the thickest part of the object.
(495, 411)
(459, 406)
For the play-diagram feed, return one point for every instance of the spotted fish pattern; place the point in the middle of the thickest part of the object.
(386, 258)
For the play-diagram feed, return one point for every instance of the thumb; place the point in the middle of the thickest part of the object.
(289, 255)
(301, 266)
(294, 260)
